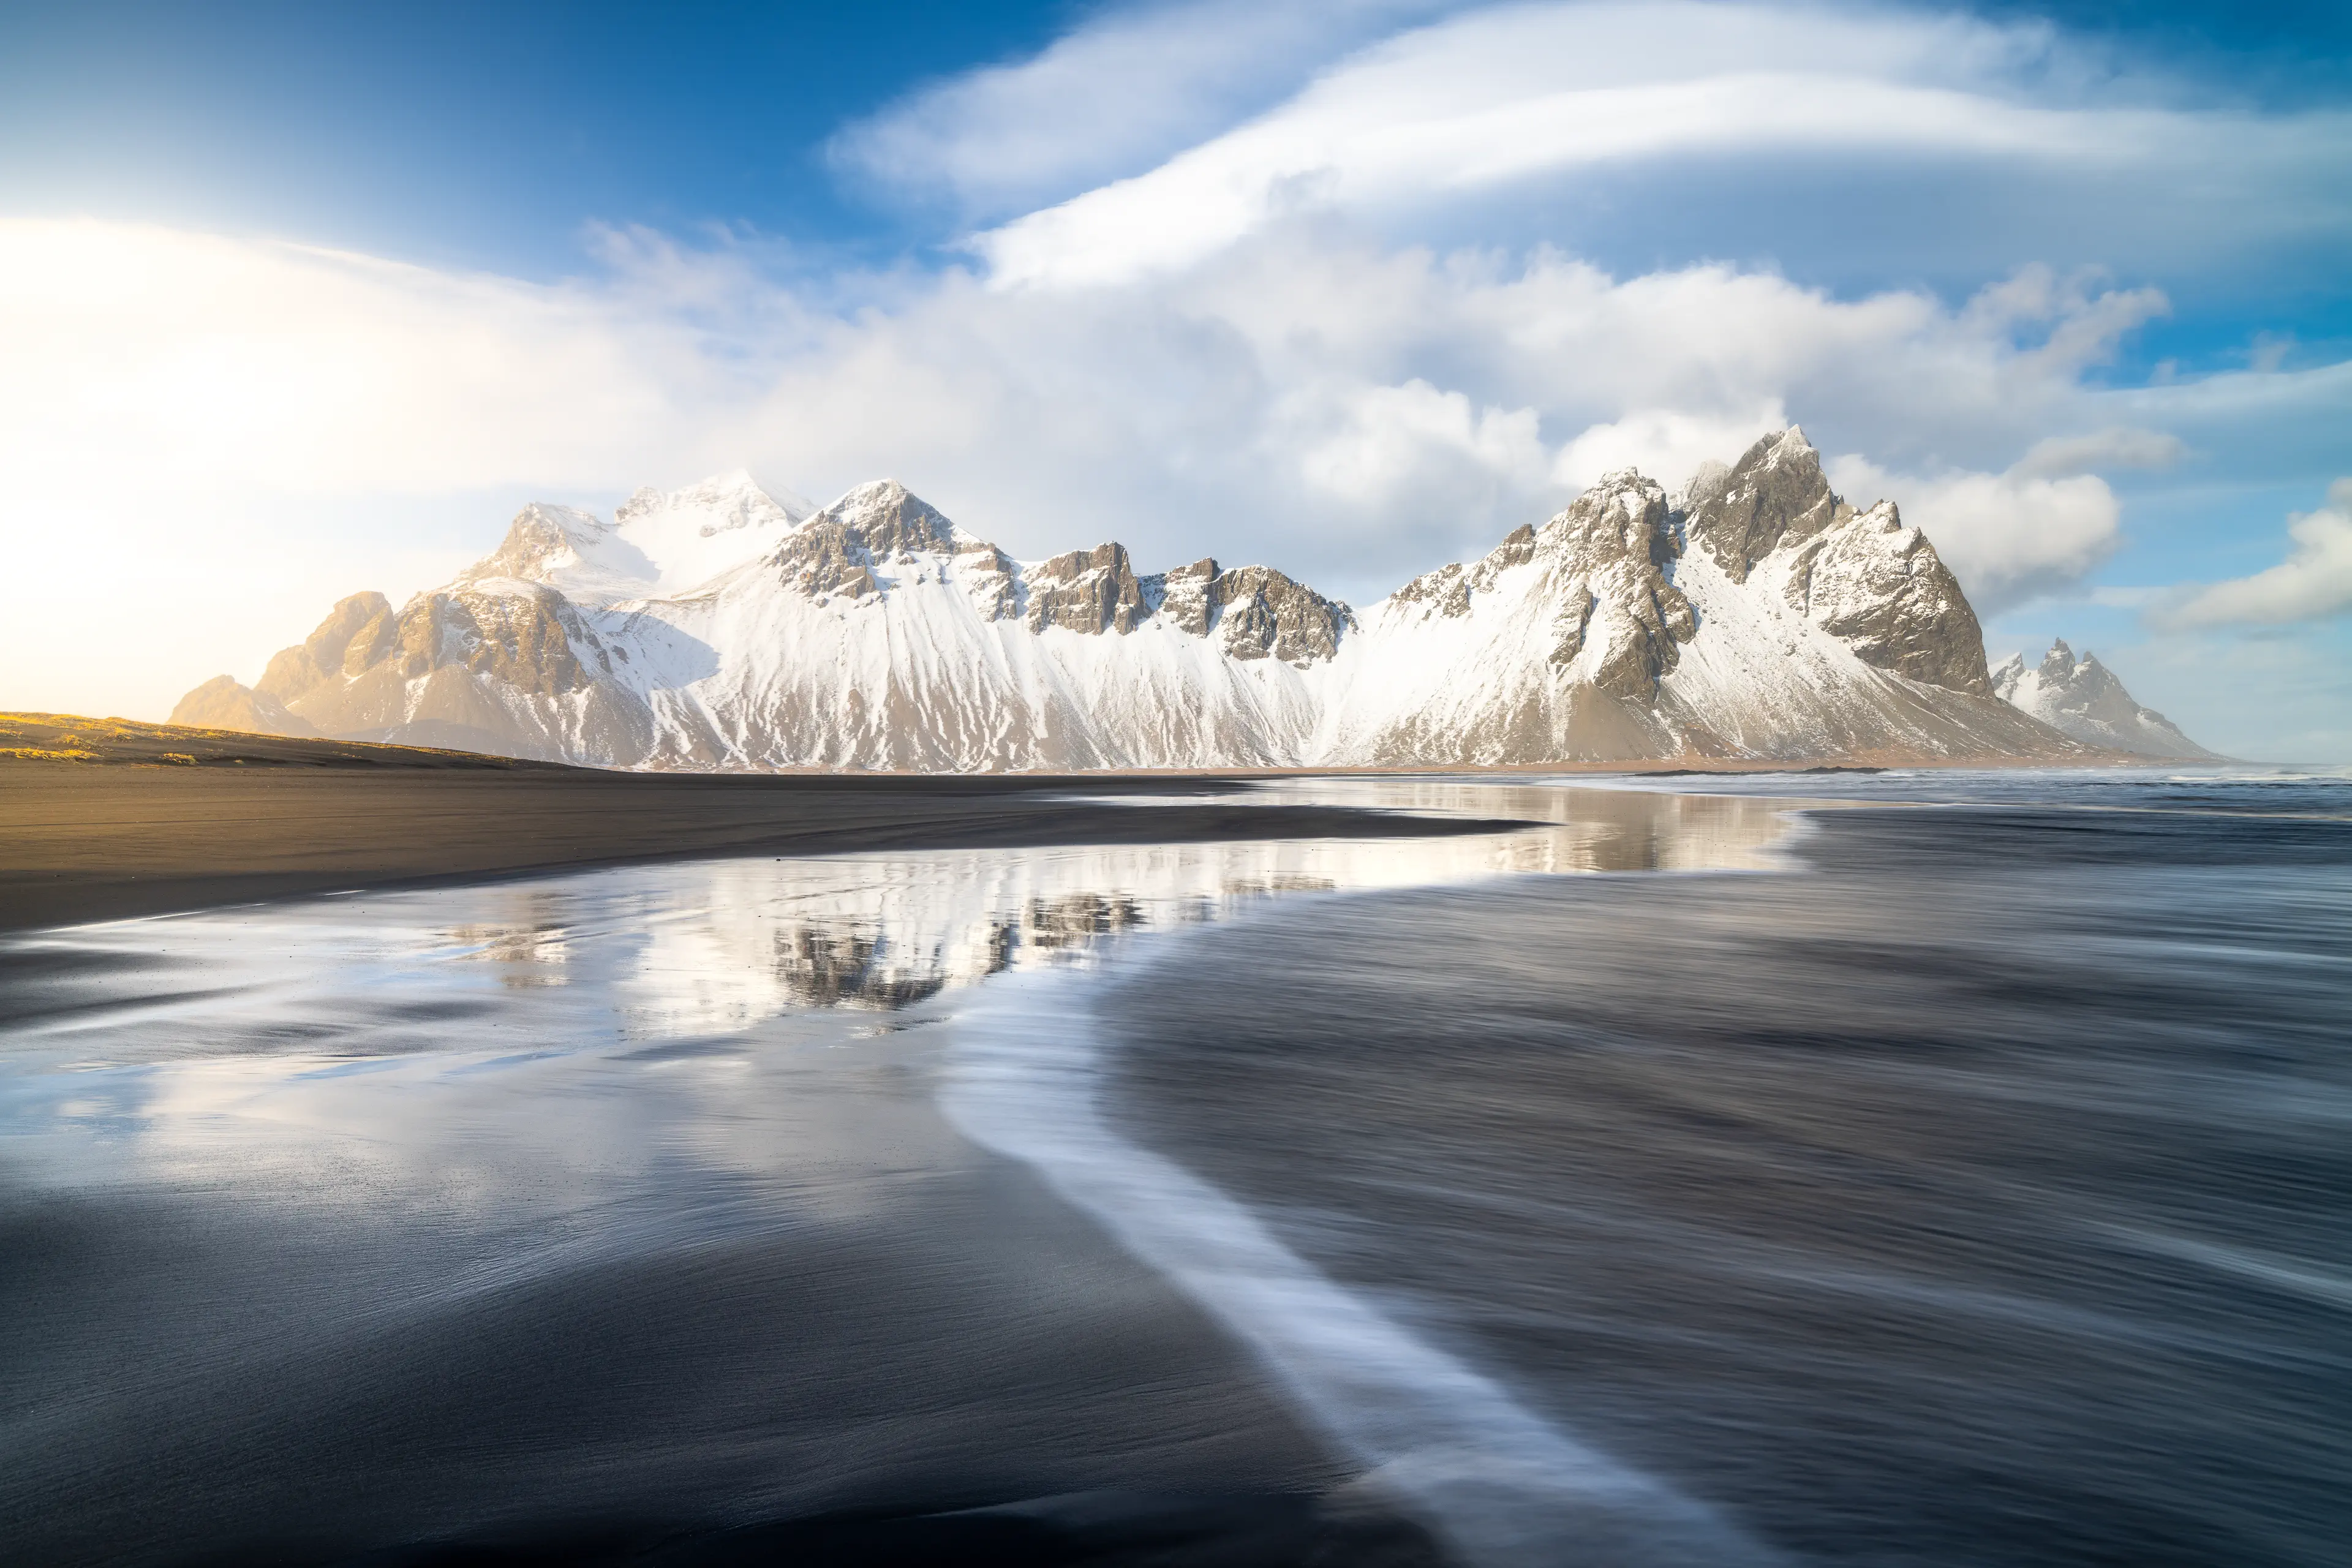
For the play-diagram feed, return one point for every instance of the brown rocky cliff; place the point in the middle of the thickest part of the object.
(1087, 591)
(1863, 576)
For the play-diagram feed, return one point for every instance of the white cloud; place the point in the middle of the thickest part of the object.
(1666, 443)
(1491, 100)
(1389, 440)
(217, 360)
(1352, 413)
(2312, 582)
(208, 440)
(2117, 446)
(1119, 93)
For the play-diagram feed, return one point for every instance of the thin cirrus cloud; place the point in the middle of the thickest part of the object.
(1476, 106)
(1121, 91)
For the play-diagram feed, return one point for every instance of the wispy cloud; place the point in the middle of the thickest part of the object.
(1486, 102)
(2117, 446)
(1126, 89)
(2314, 583)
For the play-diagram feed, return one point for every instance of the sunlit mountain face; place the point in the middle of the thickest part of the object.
(1755, 616)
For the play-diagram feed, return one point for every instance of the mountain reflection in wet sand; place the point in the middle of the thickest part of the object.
(646, 1119)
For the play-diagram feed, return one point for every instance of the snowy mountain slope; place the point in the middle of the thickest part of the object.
(2085, 701)
(656, 543)
(1759, 615)
(1755, 617)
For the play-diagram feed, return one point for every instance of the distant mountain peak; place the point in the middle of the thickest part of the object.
(2085, 699)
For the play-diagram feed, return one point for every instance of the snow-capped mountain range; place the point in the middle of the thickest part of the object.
(2085, 701)
(1754, 615)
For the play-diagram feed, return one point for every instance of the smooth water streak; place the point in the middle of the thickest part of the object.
(1503, 1485)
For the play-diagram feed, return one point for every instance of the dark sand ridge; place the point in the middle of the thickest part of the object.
(106, 819)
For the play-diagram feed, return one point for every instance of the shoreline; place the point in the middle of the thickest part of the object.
(109, 819)
(81, 845)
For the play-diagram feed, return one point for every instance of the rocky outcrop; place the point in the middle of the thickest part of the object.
(1882, 588)
(1775, 494)
(539, 540)
(1758, 615)
(1187, 597)
(1258, 612)
(1863, 577)
(847, 548)
(1087, 591)
(356, 633)
(1254, 612)
(1621, 621)
(2084, 699)
(525, 636)
(221, 703)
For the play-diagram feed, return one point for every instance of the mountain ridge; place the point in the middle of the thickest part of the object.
(1755, 616)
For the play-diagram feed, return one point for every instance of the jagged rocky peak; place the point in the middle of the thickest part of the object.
(356, 633)
(1882, 588)
(837, 549)
(1621, 620)
(1776, 492)
(221, 703)
(541, 539)
(529, 638)
(1186, 597)
(1603, 582)
(1255, 612)
(888, 519)
(524, 634)
(1087, 591)
(1863, 577)
(1259, 613)
(2087, 699)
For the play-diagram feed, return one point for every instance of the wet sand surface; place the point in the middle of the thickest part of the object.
(613, 1217)
(1982, 1195)
(1967, 1189)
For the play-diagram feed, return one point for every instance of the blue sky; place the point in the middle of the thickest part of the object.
(302, 299)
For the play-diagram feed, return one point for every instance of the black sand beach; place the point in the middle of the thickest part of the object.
(1934, 1187)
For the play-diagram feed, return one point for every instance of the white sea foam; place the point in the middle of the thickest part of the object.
(1502, 1485)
